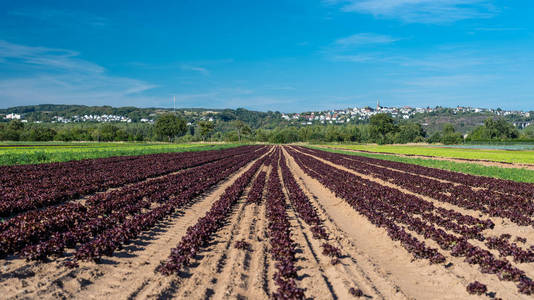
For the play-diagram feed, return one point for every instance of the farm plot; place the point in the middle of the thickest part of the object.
(260, 222)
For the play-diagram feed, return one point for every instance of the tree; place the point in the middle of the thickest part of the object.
(333, 134)
(409, 132)
(108, 132)
(227, 115)
(15, 125)
(382, 127)
(435, 137)
(241, 128)
(262, 135)
(528, 132)
(305, 133)
(500, 129)
(169, 125)
(284, 135)
(448, 129)
(494, 129)
(450, 136)
(13, 131)
(206, 128)
(351, 133)
(42, 134)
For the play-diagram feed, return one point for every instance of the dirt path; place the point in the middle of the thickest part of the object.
(459, 160)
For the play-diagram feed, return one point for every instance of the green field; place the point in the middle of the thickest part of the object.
(36, 152)
(515, 156)
(515, 174)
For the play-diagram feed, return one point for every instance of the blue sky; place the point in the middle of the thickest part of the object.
(268, 55)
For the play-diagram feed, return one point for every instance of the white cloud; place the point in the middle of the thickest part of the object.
(361, 39)
(48, 75)
(421, 11)
(356, 47)
(358, 58)
(48, 58)
(197, 69)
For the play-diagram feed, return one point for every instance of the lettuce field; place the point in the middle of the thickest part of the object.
(262, 222)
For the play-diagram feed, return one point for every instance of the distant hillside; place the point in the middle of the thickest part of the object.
(46, 112)
(463, 122)
(432, 120)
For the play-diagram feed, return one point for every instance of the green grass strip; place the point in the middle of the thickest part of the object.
(515, 156)
(515, 174)
(60, 154)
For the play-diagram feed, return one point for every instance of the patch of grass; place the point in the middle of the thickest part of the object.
(515, 174)
(516, 156)
(47, 152)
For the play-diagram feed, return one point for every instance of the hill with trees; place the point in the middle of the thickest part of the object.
(106, 123)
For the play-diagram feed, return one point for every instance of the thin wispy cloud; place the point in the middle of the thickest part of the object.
(196, 69)
(421, 11)
(357, 58)
(362, 39)
(49, 75)
(358, 48)
(47, 58)
(62, 17)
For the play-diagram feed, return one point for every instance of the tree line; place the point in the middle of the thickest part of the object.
(169, 127)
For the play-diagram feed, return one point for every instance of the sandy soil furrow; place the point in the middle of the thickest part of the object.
(17, 268)
(219, 261)
(414, 278)
(312, 276)
(174, 286)
(501, 225)
(125, 274)
(205, 280)
(464, 272)
(355, 270)
(244, 272)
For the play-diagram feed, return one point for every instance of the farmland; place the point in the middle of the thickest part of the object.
(260, 222)
(523, 155)
(514, 172)
(46, 152)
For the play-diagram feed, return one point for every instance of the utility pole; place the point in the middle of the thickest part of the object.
(174, 104)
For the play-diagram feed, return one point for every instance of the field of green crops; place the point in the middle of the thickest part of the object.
(482, 153)
(515, 174)
(36, 152)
